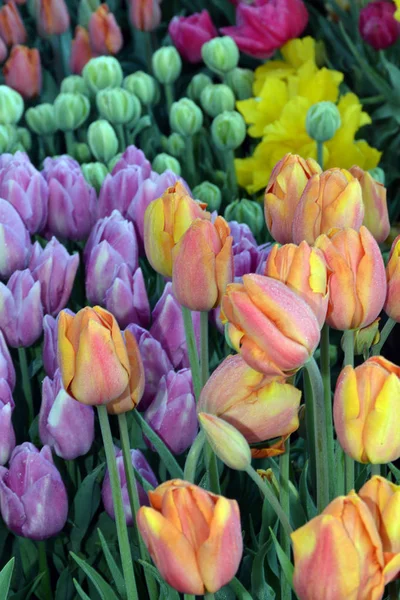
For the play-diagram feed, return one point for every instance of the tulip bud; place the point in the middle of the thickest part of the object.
(74, 84)
(246, 211)
(118, 106)
(190, 33)
(383, 500)
(52, 17)
(102, 72)
(376, 217)
(220, 54)
(34, 506)
(174, 144)
(104, 32)
(228, 130)
(7, 435)
(127, 299)
(65, 425)
(323, 120)
(164, 161)
(209, 194)
(145, 15)
(95, 173)
(143, 86)
(185, 117)
(241, 82)
(226, 441)
(103, 141)
(7, 138)
(81, 53)
(23, 71)
(41, 119)
(216, 99)
(392, 302)
(11, 105)
(12, 29)
(71, 111)
(378, 25)
(15, 243)
(167, 64)
(365, 338)
(198, 83)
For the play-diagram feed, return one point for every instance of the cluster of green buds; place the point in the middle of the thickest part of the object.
(12, 137)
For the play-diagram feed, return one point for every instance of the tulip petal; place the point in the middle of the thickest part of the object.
(135, 388)
(66, 352)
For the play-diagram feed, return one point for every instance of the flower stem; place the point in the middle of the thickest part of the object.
(308, 395)
(120, 521)
(326, 381)
(204, 348)
(190, 163)
(26, 383)
(70, 142)
(169, 95)
(375, 470)
(192, 458)
(121, 136)
(44, 568)
(348, 347)
(386, 331)
(320, 154)
(231, 174)
(212, 468)
(192, 350)
(284, 464)
(209, 597)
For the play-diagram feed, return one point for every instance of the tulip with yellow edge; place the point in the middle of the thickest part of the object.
(383, 500)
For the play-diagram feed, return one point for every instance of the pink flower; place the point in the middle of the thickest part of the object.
(145, 15)
(105, 34)
(264, 26)
(81, 51)
(377, 24)
(190, 33)
(23, 71)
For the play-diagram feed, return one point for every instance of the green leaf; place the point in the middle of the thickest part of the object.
(65, 586)
(28, 590)
(5, 577)
(261, 590)
(306, 499)
(29, 555)
(86, 503)
(112, 565)
(240, 590)
(80, 591)
(395, 471)
(166, 592)
(285, 563)
(102, 587)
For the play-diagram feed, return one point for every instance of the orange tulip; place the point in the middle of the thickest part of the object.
(145, 14)
(383, 500)
(105, 34)
(52, 17)
(81, 51)
(194, 537)
(376, 217)
(23, 71)
(357, 280)
(392, 302)
(12, 29)
(286, 184)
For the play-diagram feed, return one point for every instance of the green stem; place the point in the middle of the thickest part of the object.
(270, 496)
(348, 347)
(189, 597)
(231, 174)
(120, 521)
(192, 350)
(386, 331)
(44, 568)
(193, 457)
(204, 348)
(308, 396)
(121, 136)
(212, 469)
(26, 383)
(49, 141)
(320, 154)
(321, 441)
(238, 588)
(190, 163)
(326, 381)
(209, 597)
(134, 499)
(284, 498)
(70, 142)
(373, 99)
(169, 95)
(375, 470)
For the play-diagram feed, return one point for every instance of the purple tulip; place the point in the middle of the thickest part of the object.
(21, 317)
(117, 191)
(50, 165)
(169, 330)
(127, 299)
(50, 359)
(33, 498)
(172, 414)
(17, 158)
(142, 466)
(7, 435)
(132, 157)
(65, 425)
(155, 362)
(7, 370)
(56, 270)
(15, 243)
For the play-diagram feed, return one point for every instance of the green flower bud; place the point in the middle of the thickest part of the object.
(378, 174)
(164, 161)
(185, 117)
(82, 152)
(102, 72)
(197, 85)
(74, 84)
(174, 144)
(167, 64)
(103, 141)
(118, 106)
(94, 173)
(241, 82)
(85, 10)
(246, 211)
(220, 54)
(111, 163)
(323, 120)
(7, 138)
(41, 119)
(143, 86)
(71, 111)
(228, 130)
(209, 193)
(24, 138)
(217, 98)
(11, 106)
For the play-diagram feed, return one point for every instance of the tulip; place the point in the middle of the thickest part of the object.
(338, 555)
(376, 217)
(81, 50)
(120, 188)
(3, 51)
(366, 411)
(303, 270)
(357, 281)
(105, 34)
(12, 28)
(286, 184)
(59, 165)
(65, 425)
(145, 15)
(377, 24)
(392, 302)
(190, 33)
(33, 498)
(142, 466)
(226, 441)
(7, 371)
(194, 537)
(172, 414)
(23, 71)
(330, 200)
(168, 328)
(7, 435)
(15, 243)
(202, 264)
(260, 407)
(127, 298)
(383, 500)
(274, 330)
(52, 17)
(165, 222)
(50, 362)
(21, 317)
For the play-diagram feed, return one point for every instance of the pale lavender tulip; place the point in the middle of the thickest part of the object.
(132, 157)
(142, 466)
(15, 243)
(17, 158)
(7, 435)
(50, 358)
(127, 299)
(51, 165)
(172, 414)
(101, 270)
(7, 370)
(21, 316)
(33, 498)
(117, 191)
(120, 234)
(66, 425)
(246, 254)
(56, 270)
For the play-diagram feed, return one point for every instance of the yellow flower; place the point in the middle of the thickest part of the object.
(397, 13)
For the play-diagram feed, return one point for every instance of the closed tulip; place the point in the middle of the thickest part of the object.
(392, 302)
(194, 537)
(366, 411)
(127, 298)
(190, 33)
(15, 243)
(332, 199)
(260, 407)
(274, 330)
(202, 264)
(21, 317)
(376, 216)
(165, 221)
(105, 34)
(303, 269)
(339, 556)
(81, 50)
(23, 71)
(7, 371)
(12, 28)
(286, 184)
(357, 280)
(52, 17)
(7, 435)
(383, 500)
(145, 15)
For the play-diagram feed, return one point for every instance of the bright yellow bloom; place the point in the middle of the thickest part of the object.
(397, 13)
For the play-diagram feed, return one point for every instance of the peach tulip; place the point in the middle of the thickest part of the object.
(23, 71)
